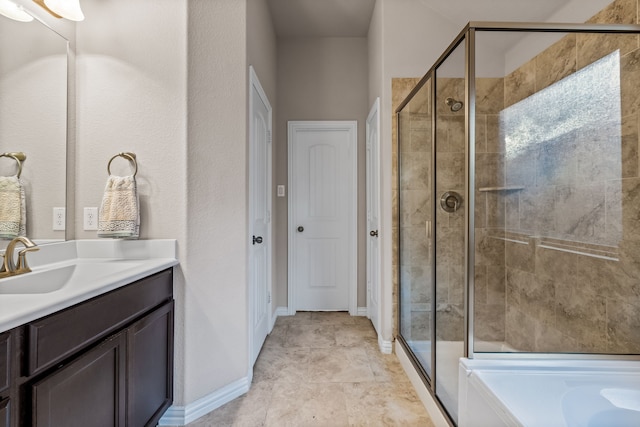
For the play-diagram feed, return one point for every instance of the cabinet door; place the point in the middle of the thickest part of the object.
(150, 367)
(90, 391)
(5, 362)
(5, 413)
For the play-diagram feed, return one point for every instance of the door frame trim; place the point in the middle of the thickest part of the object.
(375, 112)
(352, 126)
(254, 83)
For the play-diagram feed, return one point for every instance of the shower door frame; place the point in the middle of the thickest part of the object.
(468, 36)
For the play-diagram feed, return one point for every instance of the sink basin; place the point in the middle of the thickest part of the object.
(55, 279)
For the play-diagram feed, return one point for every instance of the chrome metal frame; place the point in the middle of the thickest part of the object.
(468, 35)
(470, 167)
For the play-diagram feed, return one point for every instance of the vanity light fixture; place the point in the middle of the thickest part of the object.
(13, 11)
(69, 9)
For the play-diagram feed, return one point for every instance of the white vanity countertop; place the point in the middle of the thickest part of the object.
(67, 273)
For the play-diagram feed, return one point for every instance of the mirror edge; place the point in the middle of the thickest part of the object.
(67, 30)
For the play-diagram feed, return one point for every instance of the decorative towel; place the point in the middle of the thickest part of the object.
(13, 212)
(119, 215)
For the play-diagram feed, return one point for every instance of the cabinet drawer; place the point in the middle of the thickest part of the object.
(53, 338)
(5, 358)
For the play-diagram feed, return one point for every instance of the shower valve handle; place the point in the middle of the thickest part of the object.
(450, 201)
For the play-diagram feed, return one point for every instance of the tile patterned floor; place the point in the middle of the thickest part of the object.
(323, 369)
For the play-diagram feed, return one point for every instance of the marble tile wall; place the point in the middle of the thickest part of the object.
(489, 280)
(572, 264)
(414, 195)
(449, 227)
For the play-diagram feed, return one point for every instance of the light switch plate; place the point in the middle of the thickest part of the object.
(280, 190)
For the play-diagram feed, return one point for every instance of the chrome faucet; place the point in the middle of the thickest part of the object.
(9, 267)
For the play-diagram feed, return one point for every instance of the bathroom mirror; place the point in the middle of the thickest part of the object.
(33, 119)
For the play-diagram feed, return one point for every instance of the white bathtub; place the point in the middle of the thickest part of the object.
(448, 356)
(549, 393)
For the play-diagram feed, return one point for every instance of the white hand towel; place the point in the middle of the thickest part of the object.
(119, 215)
(13, 213)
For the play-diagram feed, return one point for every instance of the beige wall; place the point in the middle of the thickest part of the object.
(131, 97)
(262, 46)
(320, 79)
(375, 54)
(215, 297)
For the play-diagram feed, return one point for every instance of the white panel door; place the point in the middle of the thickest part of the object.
(373, 215)
(322, 191)
(259, 208)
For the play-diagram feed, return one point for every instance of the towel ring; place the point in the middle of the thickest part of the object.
(127, 155)
(19, 157)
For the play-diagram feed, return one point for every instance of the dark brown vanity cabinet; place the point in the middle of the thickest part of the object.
(105, 362)
(5, 412)
(5, 378)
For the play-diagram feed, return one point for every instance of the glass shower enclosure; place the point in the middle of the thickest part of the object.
(519, 200)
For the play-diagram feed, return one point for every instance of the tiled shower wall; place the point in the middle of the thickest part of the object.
(557, 234)
(415, 197)
(490, 276)
(573, 247)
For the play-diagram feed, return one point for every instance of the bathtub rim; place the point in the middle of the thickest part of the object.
(473, 372)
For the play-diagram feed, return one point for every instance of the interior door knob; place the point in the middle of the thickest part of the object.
(257, 240)
(300, 229)
(373, 233)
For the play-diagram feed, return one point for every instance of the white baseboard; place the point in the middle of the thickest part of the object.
(282, 311)
(183, 415)
(424, 394)
(385, 347)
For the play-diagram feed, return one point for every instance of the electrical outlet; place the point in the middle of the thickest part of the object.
(90, 218)
(59, 219)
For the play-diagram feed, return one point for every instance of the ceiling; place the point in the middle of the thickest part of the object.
(321, 18)
(460, 12)
(350, 18)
